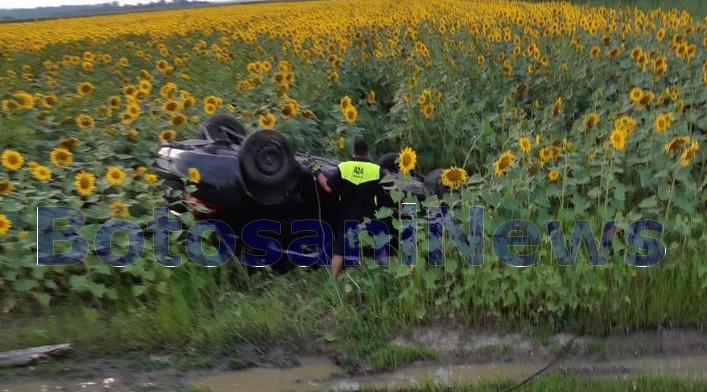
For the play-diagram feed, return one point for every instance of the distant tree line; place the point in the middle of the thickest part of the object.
(64, 11)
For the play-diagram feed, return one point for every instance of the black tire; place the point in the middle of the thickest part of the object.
(433, 182)
(388, 162)
(223, 127)
(268, 166)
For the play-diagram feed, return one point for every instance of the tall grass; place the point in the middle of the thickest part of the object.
(557, 383)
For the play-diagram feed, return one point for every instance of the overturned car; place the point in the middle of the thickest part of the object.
(257, 176)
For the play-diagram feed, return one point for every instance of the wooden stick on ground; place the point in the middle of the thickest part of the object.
(31, 355)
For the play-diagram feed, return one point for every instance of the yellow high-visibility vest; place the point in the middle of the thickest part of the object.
(358, 172)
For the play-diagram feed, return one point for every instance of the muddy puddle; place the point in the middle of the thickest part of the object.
(320, 374)
(317, 374)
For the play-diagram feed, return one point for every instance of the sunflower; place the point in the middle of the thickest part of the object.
(69, 143)
(595, 52)
(144, 86)
(133, 110)
(194, 175)
(115, 175)
(453, 177)
(545, 154)
(521, 90)
(524, 144)
(209, 108)
(42, 173)
(130, 91)
(61, 157)
(170, 107)
(291, 108)
(590, 120)
(557, 106)
(407, 160)
(168, 135)
(646, 100)
(179, 119)
(6, 187)
(689, 154)
(131, 134)
(351, 115)
(676, 145)
(139, 171)
(344, 103)
(12, 160)
(85, 183)
(660, 35)
(84, 89)
(5, 224)
(635, 52)
(267, 121)
(428, 110)
(371, 99)
(663, 122)
(625, 123)
(636, 95)
(84, 121)
(504, 163)
(119, 209)
(567, 145)
(162, 66)
(151, 178)
(553, 175)
(307, 113)
(618, 139)
(341, 143)
(24, 100)
(49, 100)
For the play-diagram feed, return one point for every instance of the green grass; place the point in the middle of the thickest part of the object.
(600, 349)
(391, 357)
(191, 317)
(563, 383)
(205, 312)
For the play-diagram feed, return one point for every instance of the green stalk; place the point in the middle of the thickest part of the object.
(672, 187)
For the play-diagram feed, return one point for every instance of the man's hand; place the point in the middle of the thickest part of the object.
(314, 168)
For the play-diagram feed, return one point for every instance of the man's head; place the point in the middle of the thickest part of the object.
(360, 148)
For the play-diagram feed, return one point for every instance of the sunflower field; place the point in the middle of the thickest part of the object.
(542, 110)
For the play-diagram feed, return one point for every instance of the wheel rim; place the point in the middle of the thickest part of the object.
(269, 159)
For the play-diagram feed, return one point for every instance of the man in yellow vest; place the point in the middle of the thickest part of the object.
(356, 182)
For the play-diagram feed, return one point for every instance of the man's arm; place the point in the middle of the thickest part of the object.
(321, 179)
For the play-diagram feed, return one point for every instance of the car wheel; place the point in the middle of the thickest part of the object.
(388, 162)
(223, 127)
(268, 166)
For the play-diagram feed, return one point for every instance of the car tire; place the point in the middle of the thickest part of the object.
(223, 127)
(388, 162)
(268, 166)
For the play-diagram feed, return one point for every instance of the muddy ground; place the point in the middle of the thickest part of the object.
(461, 357)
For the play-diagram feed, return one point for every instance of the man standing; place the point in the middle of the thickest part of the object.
(356, 183)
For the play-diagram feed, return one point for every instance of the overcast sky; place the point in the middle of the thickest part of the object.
(50, 3)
